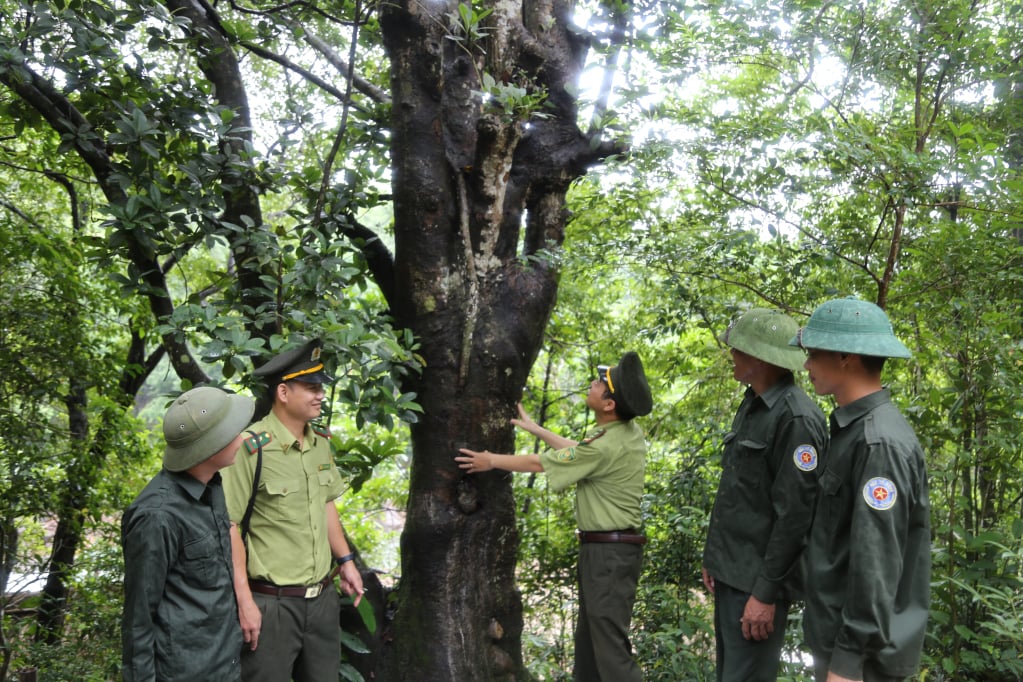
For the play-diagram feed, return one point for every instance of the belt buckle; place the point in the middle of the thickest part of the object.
(313, 591)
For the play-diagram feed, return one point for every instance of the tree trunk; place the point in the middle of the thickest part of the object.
(81, 480)
(478, 293)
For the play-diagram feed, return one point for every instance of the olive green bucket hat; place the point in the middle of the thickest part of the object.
(765, 334)
(201, 423)
(849, 325)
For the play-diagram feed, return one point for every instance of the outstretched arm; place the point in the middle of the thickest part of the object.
(553, 440)
(476, 462)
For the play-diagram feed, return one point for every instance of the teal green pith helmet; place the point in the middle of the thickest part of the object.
(849, 325)
(765, 334)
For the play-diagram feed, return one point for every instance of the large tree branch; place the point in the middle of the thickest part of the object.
(303, 72)
(217, 60)
(378, 257)
(65, 119)
(361, 84)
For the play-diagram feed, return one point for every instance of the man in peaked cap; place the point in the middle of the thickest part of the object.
(607, 467)
(764, 501)
(180, 619)
(869, 556)
(285, 530)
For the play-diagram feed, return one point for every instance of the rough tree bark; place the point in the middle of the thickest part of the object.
(478, 195)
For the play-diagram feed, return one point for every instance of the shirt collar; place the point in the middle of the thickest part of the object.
(773, 394)
(847, 414)
(191, 485)
(281, 433)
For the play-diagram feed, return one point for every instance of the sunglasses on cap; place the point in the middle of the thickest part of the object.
(604, 374)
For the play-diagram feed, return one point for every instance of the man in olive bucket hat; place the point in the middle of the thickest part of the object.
(868, 556)
(180, 618)
(607, 467)
(764, 502)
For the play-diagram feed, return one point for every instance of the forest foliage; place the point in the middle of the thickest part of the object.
(772, 154)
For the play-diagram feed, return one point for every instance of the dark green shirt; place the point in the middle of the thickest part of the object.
(764, 502)
(180, 618)
(869, 555)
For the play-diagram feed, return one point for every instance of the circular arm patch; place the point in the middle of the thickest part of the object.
(880, 493)
(805, 457)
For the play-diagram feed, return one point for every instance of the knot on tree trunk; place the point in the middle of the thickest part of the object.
(468, 496)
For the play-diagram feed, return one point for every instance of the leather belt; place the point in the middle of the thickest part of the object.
(305, 591)
(630, 536)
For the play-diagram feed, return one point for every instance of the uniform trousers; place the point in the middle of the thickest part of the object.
(608, 576)
(740, 659)
(300, 639)
(870, 672)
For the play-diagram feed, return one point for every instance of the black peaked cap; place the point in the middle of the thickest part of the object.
(300, 364)
(631, 391)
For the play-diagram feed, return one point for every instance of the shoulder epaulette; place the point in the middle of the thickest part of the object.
(254, 443)
(321, 431)
(594, 437)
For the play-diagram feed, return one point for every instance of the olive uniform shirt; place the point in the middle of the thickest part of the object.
(607, 468)
(764, 503)
(869, 556)
(180, 617)
(287, 541)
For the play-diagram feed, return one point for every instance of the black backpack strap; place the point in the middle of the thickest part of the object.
(244, 525)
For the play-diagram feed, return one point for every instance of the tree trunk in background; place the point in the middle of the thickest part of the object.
(477, 193)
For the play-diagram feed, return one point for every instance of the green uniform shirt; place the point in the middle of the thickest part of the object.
(287, 541)
(180, 620)
(607, 468)
(869, 556)
(764, 502)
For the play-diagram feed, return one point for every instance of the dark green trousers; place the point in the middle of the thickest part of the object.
(740, 659)
(608, 576)
(300, 640)
(870, 672)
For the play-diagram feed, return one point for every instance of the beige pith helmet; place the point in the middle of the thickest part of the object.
(764, 334)
(201, 423)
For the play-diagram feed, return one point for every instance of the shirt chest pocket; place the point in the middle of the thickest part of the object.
(200, 561)
(751, 461)
(831, 500)
(285, 499)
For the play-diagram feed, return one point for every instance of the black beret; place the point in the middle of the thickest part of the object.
(629, 387)
(299, 364)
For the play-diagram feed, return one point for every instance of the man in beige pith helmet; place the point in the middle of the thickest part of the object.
(765, 498)
(180, 618)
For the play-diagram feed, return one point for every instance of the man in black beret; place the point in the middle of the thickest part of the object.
(607, 468)
(285, 530)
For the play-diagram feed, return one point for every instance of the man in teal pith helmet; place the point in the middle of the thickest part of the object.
(180, 619)
(764, 501)
(869, 555)
(607, 468)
